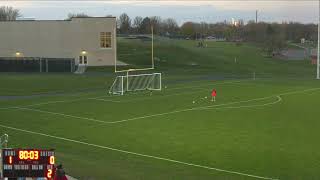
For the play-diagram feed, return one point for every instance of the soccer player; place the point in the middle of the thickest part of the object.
(213, 95)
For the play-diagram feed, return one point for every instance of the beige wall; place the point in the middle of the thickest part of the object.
(59, 39)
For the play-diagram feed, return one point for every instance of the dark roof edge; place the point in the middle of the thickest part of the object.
(111, 17)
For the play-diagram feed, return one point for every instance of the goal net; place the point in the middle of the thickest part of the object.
(137, 82)
(81, 69)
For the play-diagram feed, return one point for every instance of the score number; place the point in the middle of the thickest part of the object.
(29, 155)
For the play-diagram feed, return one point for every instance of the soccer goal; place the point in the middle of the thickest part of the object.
(137, 82)
(81, 69)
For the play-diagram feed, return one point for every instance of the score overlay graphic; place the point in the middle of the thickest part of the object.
(27, 163)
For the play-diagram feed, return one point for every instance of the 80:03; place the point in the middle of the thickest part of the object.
(28, 155)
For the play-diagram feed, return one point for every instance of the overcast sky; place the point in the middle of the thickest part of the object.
(210, 11)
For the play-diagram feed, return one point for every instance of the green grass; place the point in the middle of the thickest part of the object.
(248, 130)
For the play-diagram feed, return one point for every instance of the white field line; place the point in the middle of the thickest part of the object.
(56, 102)
(199, 89)
(279, 99)
(60, 114)
(206, 85)
(213, 106)
(176, 111)
(142, 117)
(133, 100)
(203, 108)
(105, 100)
(298, 91)
(136, 154)
(164, 96)
(46, 103)
(52, 102)
(5, 108)
(193, 87)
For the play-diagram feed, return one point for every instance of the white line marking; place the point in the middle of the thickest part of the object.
(143, 117)
(133, 100)
(197, 108)
(52, 102)
(211, 107)
(137, 154)
(190, 87)
(7, 108)
(55, 102)
(279, 99)
(212, 84)
(60, 114)
(106, 100)
(198, 88)
(298, 92)
(171, 112)
(159, 96)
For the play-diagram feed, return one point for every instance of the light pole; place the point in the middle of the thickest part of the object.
(318, 58)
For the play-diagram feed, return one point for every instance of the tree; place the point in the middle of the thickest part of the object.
(145, 26)
(155, 22)
(137, 23)
(170, 26)
(124, 23)
(188, 29)
(275, 39)
(76, 15)
(9, 13)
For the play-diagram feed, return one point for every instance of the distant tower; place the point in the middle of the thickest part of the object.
(256, 16)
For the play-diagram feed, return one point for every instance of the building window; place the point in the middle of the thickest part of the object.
(85, 60)
(105, 39)
(80, 59)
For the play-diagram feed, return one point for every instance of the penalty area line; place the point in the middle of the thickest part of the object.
(60, 114)
(136, 154)
(224, 104)
(201, 108)
(105, 100)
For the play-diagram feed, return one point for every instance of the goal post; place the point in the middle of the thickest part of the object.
(117, 87)
(132, 78)
(150, 64)
(138, 82)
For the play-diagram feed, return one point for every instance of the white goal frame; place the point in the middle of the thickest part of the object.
(125, 83)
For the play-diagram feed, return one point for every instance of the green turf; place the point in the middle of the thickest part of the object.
(266, 127)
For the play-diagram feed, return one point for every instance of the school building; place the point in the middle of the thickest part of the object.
(90, 41)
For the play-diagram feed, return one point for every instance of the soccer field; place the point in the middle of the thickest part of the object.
(257, 129)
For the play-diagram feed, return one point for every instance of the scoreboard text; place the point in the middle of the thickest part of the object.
(28, 163)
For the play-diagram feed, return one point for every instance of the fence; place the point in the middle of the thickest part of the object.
(36, 64)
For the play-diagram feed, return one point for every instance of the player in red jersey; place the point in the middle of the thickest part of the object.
(60, 174)
(213, 95)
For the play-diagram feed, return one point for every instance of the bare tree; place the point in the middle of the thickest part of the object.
(170, 26)
(77, 15)
(146, 25)
(9, 13)
(137, 23)
(124, 23)
(155, 22)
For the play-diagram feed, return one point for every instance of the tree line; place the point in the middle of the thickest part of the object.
(273, 36)
(252, 31)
